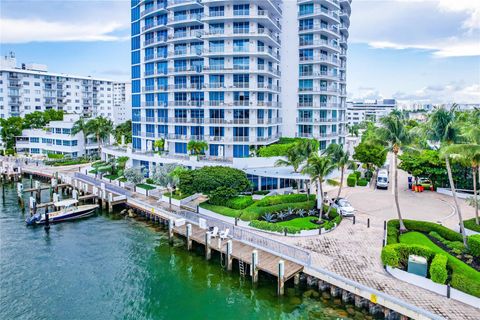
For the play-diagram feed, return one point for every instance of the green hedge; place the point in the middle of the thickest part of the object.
(474, 245)
(438, 269)
(240, 202)
(55, 156)
(456, 246)
(422, 226)
(362, 182)
(288, 198)
(358, 174)
(263, 225)
(470, 224)
(275, 150)
(396, 255)
(351, 180)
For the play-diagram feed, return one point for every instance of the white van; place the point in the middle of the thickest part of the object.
(382, 179)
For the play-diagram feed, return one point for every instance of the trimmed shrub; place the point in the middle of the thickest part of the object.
(438, 269)
(55, 156)
(390, 256)
(358, 174)
(261, 192)
(275, 150)
(288, 198)
(263, 225)
(240, 202)
(425, 227)
(362, 182)
(474, 245)
(465, 284)
(470, 224)
(392, 231)
(456, 246)
(351, 180)
(221, 195)
(403, 251)
(150, 181)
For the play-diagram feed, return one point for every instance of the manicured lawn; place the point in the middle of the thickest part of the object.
(255, 211)
(460, 270)
(145, 186)
(177, 196)
(303, 223)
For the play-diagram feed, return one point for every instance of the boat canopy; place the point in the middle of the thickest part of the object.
(65, 203)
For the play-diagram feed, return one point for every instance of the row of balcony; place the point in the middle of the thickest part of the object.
(318, 135)
(319, 120)
(220, 104)
(200, 69)
(222, 86)
(208, 138)
(320, 58)
(211, 120)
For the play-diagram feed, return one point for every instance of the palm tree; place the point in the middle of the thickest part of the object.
(102, 128)
(197, 147)
(468, 154)
(341, 158)
(441, 129)
(318, 168)
(393, 133)
(293, 159)
(80, 126)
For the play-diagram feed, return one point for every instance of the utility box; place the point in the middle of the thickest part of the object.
(417, 265)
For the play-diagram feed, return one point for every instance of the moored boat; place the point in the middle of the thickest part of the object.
(69, 210)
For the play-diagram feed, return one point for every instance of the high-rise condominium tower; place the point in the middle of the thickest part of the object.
(211, 70)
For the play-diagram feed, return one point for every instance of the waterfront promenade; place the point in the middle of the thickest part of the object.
(353, 252)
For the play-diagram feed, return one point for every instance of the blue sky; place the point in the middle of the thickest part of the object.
(412, 50)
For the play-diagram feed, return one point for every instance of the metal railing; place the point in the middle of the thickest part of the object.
(108, 186)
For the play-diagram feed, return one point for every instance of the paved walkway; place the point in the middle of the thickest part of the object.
(353, 251)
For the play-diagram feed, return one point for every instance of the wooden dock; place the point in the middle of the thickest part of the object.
(267, 262)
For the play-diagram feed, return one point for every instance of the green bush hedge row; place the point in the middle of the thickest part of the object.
(456, 246)
(362, 182)
(289, 198)
(474, 245)
(358, 174)
(438, 269)
(335, 218)
(396, 255)
(470, 224)
(240, 202)
(263, 225)
(421, 226)
(351, 180)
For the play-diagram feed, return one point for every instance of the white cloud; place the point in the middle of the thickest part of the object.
(446, 28)
(36, 30)
(441, 94)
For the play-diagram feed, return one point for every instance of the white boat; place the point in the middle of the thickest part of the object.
(69, 210)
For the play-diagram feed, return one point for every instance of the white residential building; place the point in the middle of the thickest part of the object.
(56, 138)
(122, 102)
(30, 88)
(358, 112)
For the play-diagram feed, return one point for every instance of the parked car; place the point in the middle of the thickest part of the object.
(424, 181)
(382, 179)
(343, 207)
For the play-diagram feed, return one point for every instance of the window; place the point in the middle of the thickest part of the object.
(241, 45)
(180, 147)
(34, 140)
(217, 11)
(241, 63)
(241, 27)
(241, 10)
(241, 151)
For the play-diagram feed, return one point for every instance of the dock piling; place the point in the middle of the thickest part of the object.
(281, 278)
(170, 231)
(254, 269)
(189, 235)
(229, 255)
(208, 249)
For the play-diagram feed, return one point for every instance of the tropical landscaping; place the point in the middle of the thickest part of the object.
(449, 260)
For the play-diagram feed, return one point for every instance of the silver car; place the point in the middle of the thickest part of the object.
(343, 207)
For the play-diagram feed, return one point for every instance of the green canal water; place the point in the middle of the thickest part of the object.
(110, 267)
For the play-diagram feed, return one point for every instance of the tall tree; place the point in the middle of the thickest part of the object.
(441, 128)
(11, 128)
(468, 154)
(318, 168)
(341, 158)
(197, 147)
(393, 133)
(101, 128)
(293, 159)
(125, 130)
(80, 126)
